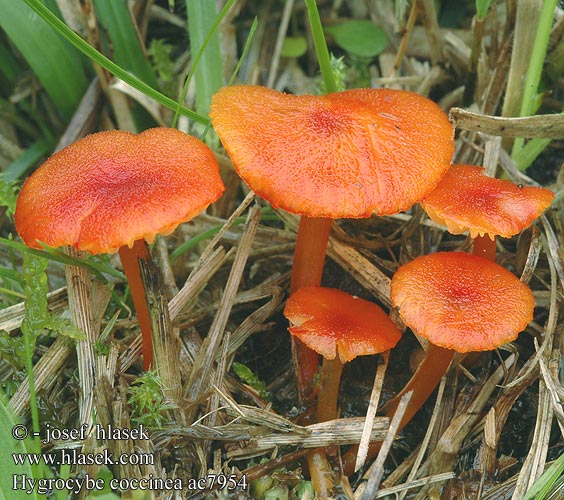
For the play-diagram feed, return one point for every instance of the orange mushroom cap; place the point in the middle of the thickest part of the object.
(113, 188)
(461, 301)
(347, 154)
(330, 321)
(467, 200)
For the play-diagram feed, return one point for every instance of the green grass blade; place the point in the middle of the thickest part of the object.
(9, 66)
(8, 446)
(200, 54)
(29, 158)
(97, 268)
(127, 51)
(321, 50)
(109, 65)
(202, 31)
(252, 30)
(534, 72)
(543, 485)
(57, 65)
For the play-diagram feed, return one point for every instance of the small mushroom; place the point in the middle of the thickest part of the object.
(348, 154)
(467, 200)
(459, 302)
(340, 327)
(113, 191)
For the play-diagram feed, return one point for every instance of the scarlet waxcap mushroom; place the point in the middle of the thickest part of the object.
(346, 154)
(332, 322)
(467, 200)
(461, 301)
(112, 188)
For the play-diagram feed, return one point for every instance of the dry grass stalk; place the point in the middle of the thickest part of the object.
(415, 469)
(376, 471)
(371, 412)
(551, 126)
(200, 376)
(528, 14)
(45, 371)
(338, 432)
(11, 318)
(444, 456)
(80, 305)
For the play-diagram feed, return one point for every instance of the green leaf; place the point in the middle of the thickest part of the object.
(542, 487)
(8, 196)
(9, 446)
(56, 64)
(127, 51)
(294, 47)
(359, 37)
(250, 378)
(482, 7)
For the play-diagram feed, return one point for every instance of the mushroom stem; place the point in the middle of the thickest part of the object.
(130, 261)
(331, 370)
(422, 383)
(307, 269)
(484, 246)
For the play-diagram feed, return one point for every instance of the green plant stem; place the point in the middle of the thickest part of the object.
(195, 63)
(50, 18)
(320, 44)
(29, 340)
(534, 70)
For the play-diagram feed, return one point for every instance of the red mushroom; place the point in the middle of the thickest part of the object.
(340, 327)
(467, 200)
(458, 301)
(347, 154)
(112, 191)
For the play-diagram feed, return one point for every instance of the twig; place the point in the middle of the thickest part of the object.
(371, 412)
(377, 468)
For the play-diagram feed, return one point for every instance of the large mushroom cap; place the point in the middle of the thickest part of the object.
(467, 200)
(347, 154)
(461, 301)
(330, 321)
(112, 188)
